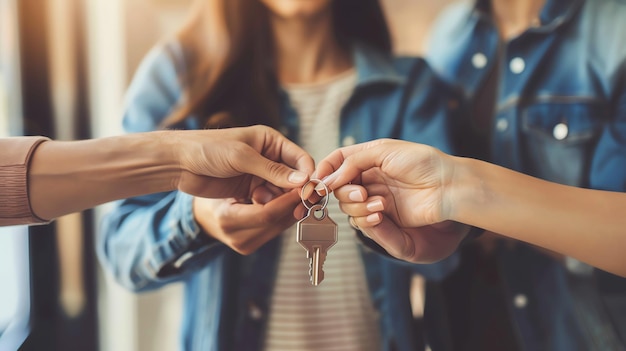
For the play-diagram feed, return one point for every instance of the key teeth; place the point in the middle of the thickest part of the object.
(316, 254)
(320, 276)
(320, 279)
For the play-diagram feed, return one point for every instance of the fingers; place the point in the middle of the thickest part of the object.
(263, 214)
(278, 148)
(247, 241)
(354, 201)
(268, 154)
(250, 161)
(351, 193)
(331, 163)
(388, 235)
(292, 155)
(367, 221)
(262, 195)
(245, 227)
(299, 212)
(346, 164)
(266, 193)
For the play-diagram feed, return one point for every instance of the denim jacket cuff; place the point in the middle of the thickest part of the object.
(185, 241)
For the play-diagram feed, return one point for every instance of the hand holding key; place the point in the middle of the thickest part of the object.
(245, 226)
(397, 196)
(316, 233)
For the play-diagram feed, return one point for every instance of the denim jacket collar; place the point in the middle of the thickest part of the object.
(557, 12)
(554, 13)
(373, 67)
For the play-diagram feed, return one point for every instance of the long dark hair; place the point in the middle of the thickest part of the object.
(230, 76)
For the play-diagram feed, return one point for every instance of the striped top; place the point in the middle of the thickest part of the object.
(338, 314)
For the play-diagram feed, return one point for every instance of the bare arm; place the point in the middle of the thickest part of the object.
(419, 185)
(65, 177)
(589, 225)
(69, 176)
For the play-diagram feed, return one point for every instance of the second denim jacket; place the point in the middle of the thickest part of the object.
(559, 114)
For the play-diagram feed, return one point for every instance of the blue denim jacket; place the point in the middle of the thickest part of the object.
(560, 115)
(152, 240)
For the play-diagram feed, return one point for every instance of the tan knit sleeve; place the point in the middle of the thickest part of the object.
(14, 160)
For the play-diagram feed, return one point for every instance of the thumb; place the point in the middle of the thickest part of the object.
(276, 173)
(355, 164)
(388, 235)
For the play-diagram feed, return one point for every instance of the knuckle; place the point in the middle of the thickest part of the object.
(228, 228)
(350, 209)
(273, 168)
(241, 246)
(266, 129)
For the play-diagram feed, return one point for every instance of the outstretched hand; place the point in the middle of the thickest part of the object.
(396, 196)
(244, 180)
(234, 162)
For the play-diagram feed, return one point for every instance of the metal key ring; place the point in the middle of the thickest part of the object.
(325, 198)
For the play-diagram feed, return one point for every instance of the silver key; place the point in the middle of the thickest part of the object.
(317, 233)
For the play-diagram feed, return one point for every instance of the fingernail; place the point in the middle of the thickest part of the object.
(297, 177)
(329, 178)
(320, 189)
(375, 206)
(356, 196)
(373, 218)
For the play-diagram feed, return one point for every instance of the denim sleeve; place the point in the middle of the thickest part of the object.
(151, 240)
(608, 167)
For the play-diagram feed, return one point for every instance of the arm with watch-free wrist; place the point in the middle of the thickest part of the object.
(398, 186)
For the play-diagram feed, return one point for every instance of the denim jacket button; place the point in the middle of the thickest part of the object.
(347, 141)
(520, 301)
(502, 125)
(560, 131)
(255, 312)
(517, 65)
(479, 60)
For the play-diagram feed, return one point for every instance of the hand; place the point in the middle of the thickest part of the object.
(245, 227)
(380, 219)
(234, 162)
(400, 199)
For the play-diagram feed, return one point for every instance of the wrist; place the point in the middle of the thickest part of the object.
(466, 190)
(167, 150)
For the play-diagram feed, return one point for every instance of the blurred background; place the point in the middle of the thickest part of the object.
(64, 67)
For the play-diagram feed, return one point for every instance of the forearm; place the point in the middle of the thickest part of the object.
(66, 177)
(586, 224)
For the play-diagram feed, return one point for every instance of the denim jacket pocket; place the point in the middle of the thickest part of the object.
(559, 139)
